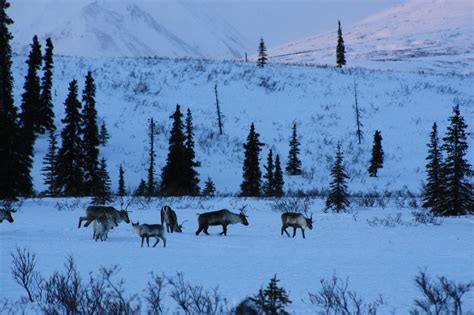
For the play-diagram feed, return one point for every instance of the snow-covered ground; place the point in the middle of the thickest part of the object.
(402, 105)
(378, 259)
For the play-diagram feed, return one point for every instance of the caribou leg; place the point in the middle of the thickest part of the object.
(205, 230)
(88, 222)
(164, 241)
(283, 229)
(199, 230)
(157, 240)
(294, 231)
(302, 232)
(224, 230)
(147, 241)
(80, 221)
(143, 239)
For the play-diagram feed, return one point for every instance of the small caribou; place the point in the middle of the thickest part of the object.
(295, 220)
(102, 226)
(221, 217)
(109, 213)
(170, 220)
(6, 214)
(145, 231)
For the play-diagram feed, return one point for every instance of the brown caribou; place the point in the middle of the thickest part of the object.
(295, 220)
(221, 217)
(170, 220)
(109, 213)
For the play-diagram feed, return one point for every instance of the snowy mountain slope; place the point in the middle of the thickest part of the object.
(418, 34)
(127, 28)
(402, 106)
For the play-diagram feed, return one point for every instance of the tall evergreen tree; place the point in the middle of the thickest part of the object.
(102, 194)
(90, 137)
(337, 199)
(262, 54)
(141, 189)
(191, 174)
(103, 134)
(31, 98)
(278, 178)
(174, 173)
(218, 110)
(46, 109)
(269, 184)
(50, 162)
(376, 161)
(12, 164)
(121, 182)
(209, 188)
(251, 183)
(293, 167)
(458, 197)
(70, 175)
(151, 183)
(433, 192)
(340, 49)
(273, 299)
(359, 124)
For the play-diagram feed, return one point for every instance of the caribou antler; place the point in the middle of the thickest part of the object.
(242, 209)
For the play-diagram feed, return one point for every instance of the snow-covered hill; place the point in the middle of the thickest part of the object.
(427, 35)
(401, 105)
(127, 28)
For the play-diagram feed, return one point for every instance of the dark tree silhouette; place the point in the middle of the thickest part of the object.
(278, 178)
(151, 185)
(191, 175)
(49, 169)
(340, 49)
(121, 182)
(337, 199)
(46, 111)
(458, 198)
(262, 54)
(293, 167)
(141, 189)
(103, 193)
(433, 191)
(251, 170)
(376, 161)
(103, 134)
(218, 110)
(269, 184)
(273, 299)
(359, 125)
(209, 188)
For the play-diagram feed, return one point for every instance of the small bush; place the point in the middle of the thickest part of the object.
(388, 221)
(273, 299)
(426, 217)
(292, 204)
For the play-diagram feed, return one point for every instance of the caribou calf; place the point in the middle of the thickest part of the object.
(295, 220)
(6, 214)
(102, 226)
(170, 220)
(145, 231)
(221, 217)
(109, 213)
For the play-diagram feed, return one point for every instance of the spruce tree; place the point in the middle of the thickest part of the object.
(102, 193)
(269, 184)
(191, 174)
(433, 191)
(31, 98)
(458, 198)
(209, 188)
(151, 183)
(103, 134)
(337, 199)
(70, 175)
(293, 167)
(218, 110)
(12, 162)
(376, 161)
(49, 170)
(141, 189)
(273, 299)
(278, 178)
(46, 110)
(174, 173)
(121, 182)
(340, 49)
(251, 183)
(262, 54)
(90, 136)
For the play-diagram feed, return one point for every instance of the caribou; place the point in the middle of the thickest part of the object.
(170, 220)
(6, 214)
(109, 213)
(295, 220)
(221, 217)
(102, 226)
(145, 231)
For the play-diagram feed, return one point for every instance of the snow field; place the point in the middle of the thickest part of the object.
(375, 259)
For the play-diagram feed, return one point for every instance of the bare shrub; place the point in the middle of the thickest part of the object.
(439, 297)
(334, 297)
(24, 272)
(388, 221)
(69, 204)
(154, 294)
(426, 217)
(195, 299)
(292, 204)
